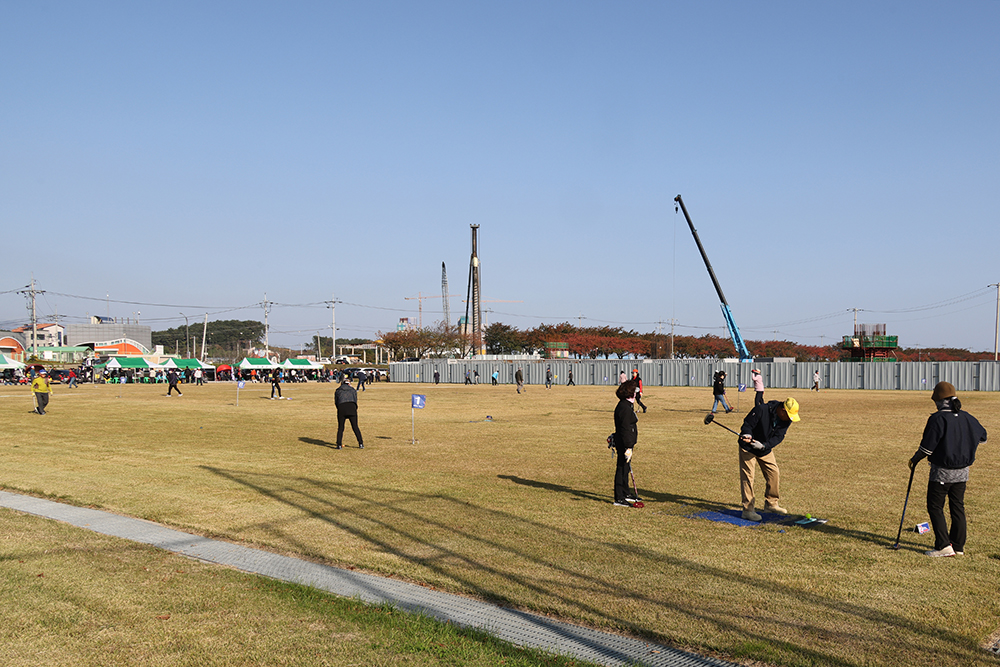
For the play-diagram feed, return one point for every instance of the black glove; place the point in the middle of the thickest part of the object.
(913, 462)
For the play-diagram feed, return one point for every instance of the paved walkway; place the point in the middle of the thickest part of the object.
(516, 627)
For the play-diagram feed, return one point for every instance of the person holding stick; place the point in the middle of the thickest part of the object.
(346, 400)
(763, 429)
(951, 437)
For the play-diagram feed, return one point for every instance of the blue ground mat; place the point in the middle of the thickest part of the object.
(735, 517)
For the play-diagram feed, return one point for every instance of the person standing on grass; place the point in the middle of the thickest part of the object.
(719, 392)
(816, 380)
(571, 383)
(275, 383)
(950, 440)
(198, 375)
(172, 382)
(41, 390)
(638, 391)
(437, 377)
(758, 387)
(346, 400)
(548, 377)
(763, 429)
(625, 438)
(495, 376)
(519, 379)
(72, 379)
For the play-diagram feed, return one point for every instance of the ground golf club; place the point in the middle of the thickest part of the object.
(710, 419)
(637, 503)
(895, 546)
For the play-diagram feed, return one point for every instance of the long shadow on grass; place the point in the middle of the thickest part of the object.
(645, 494)
(321, 443)
(380, 516)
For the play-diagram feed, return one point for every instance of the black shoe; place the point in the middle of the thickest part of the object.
(339, 447)
(621, 503)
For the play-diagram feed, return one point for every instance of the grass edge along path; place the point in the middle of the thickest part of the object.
(543, 641)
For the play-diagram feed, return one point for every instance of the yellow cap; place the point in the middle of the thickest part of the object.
(792, 408)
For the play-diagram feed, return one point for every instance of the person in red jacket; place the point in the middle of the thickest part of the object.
(950, 440)
(638, 392)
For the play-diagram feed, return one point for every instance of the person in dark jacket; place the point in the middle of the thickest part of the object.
(719, 392)
(626, 435)
(172, 382)
(275, 383)
(950, 440)
(346, 400)
(763, 429)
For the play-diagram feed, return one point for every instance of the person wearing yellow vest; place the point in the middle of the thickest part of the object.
(41, 390)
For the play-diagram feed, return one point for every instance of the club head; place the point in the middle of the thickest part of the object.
(638, 503)
(709, 418)
(894, 547)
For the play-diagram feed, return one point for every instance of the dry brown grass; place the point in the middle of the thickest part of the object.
(517, 509)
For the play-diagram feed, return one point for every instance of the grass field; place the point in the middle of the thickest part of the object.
(517, 509)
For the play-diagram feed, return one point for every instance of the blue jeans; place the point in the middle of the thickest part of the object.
(721, 398)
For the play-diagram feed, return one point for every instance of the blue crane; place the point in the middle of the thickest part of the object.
(734, 331)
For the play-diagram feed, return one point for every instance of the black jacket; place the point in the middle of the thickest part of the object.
(346, 399)
(765, 426)
(626, 433)
(951, 438)
(719, 386)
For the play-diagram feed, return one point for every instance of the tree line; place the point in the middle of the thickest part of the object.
(607, 342)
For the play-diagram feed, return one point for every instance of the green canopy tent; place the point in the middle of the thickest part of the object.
(301, 365)
(127, 362)
(6, 362)
(186, 363)
(250, 363)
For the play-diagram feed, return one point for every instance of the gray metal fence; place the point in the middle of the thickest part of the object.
(911, 376)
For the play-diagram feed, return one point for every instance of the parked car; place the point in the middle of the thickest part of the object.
(58, 376)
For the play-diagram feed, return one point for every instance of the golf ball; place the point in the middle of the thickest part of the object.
(809, 516)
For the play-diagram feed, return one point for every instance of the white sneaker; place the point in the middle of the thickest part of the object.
(750, 515)
(940, 553)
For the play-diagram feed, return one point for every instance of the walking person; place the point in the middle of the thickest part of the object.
(519, 379)
(816, 380)
(758, 387)
(495, 376)
(571, 383)
(172, 382)
(625, 438)
(346, 400)
(763, 429)
(475, 374)
(719, 392)
(437, 377)
(198, 375)
(548, 377)
(950, 439)
(638, 392)
(275, 383)
(362, 378)
(468, 376)
(41, 390)
(72, 379)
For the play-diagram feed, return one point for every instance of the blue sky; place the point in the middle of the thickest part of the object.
(199, 155)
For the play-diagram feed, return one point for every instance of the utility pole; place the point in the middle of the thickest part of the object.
(187, 337)
(855, 319)
(333, 326)
(204, 337)
(444, 296)
(32, 293)
(267, 344)
(996, 331)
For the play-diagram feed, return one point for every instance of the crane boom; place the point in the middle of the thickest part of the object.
(727, 314)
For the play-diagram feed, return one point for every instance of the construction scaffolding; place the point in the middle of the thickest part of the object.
(870, 343)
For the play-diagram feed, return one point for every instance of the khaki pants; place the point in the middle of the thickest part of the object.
(768, 466)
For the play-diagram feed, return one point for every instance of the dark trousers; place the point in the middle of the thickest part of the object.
(170, 389)
(621, 476)
(341, 418)
(275, 387)
(43, 401)
(638, 401)
(955, 493)
(758, 398)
